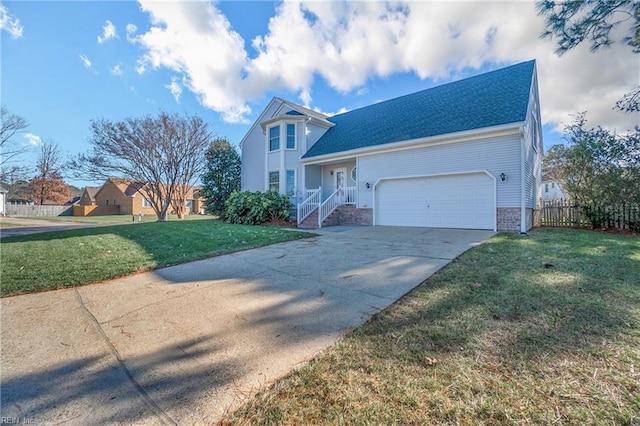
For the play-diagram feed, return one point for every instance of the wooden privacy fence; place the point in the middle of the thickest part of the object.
(34, 210)
(566, 213)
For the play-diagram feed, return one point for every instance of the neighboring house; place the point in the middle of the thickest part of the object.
(462, 155)
(88, 196)
(552, 190)
(120, 196)
(194, 202)
(3, 201)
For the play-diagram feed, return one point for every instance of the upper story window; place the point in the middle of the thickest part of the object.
(146, 203)
(274, 138)
(291, 136)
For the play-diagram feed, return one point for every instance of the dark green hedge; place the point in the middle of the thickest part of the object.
(254, 208)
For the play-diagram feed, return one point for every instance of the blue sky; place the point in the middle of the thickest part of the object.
(66, 63)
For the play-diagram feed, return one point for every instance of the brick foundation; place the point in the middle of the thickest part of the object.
(508, 219)
(345, 214)
(350, 215)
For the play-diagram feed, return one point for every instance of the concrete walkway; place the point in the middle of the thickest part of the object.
(12, 226)
(186, 344)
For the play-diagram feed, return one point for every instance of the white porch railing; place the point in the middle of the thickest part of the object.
(309, 205)
(342, 195)
(349, 195)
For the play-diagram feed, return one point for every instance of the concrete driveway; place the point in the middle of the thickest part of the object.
(12, 226)
(186, 344)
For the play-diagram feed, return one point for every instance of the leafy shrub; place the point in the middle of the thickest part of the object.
(598, 217)
(254, 208)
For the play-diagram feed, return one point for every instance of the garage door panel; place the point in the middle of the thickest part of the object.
(458, 201)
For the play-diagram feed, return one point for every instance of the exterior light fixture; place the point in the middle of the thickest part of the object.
(503, 177)
(331, 172)
(368, 185)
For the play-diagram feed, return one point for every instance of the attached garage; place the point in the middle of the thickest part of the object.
(465, 201)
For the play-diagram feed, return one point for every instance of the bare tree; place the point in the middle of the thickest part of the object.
(164, 152)
(48, 184)
(10, 125)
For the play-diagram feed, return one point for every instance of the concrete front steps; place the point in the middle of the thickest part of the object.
(345, 214)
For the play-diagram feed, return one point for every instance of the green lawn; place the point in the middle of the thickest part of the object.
(543, 329)
(69, 258)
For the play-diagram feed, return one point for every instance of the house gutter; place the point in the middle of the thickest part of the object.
(504, 129)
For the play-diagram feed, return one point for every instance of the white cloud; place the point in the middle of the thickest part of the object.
(349, 43)
(131, 30)
(108, 32)
(175, 88)
(195, 40)
(117, 70)
(10, 23)
(32, 139)
(85, 61)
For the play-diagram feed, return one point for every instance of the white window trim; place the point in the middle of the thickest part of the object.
(295, 136)
(269, 180)
(295, 176)
(279, 138)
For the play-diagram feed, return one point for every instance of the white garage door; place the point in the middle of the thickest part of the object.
(464, 201)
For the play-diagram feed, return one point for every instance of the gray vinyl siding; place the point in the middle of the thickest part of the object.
(529, 178)
(327, 178)
(273, 161)
(532, 157)
(315, 132)
(495, 155)
(313, 176)
(253, 173)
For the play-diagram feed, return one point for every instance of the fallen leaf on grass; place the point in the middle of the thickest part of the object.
(430, 362)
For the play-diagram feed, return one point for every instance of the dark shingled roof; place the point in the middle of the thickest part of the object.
(491, 99)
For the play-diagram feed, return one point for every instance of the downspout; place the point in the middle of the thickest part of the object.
(523, 215)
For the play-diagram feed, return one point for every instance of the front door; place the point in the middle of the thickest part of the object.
(340, 181)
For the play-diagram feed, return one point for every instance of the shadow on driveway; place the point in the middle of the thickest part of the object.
(197, 339)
